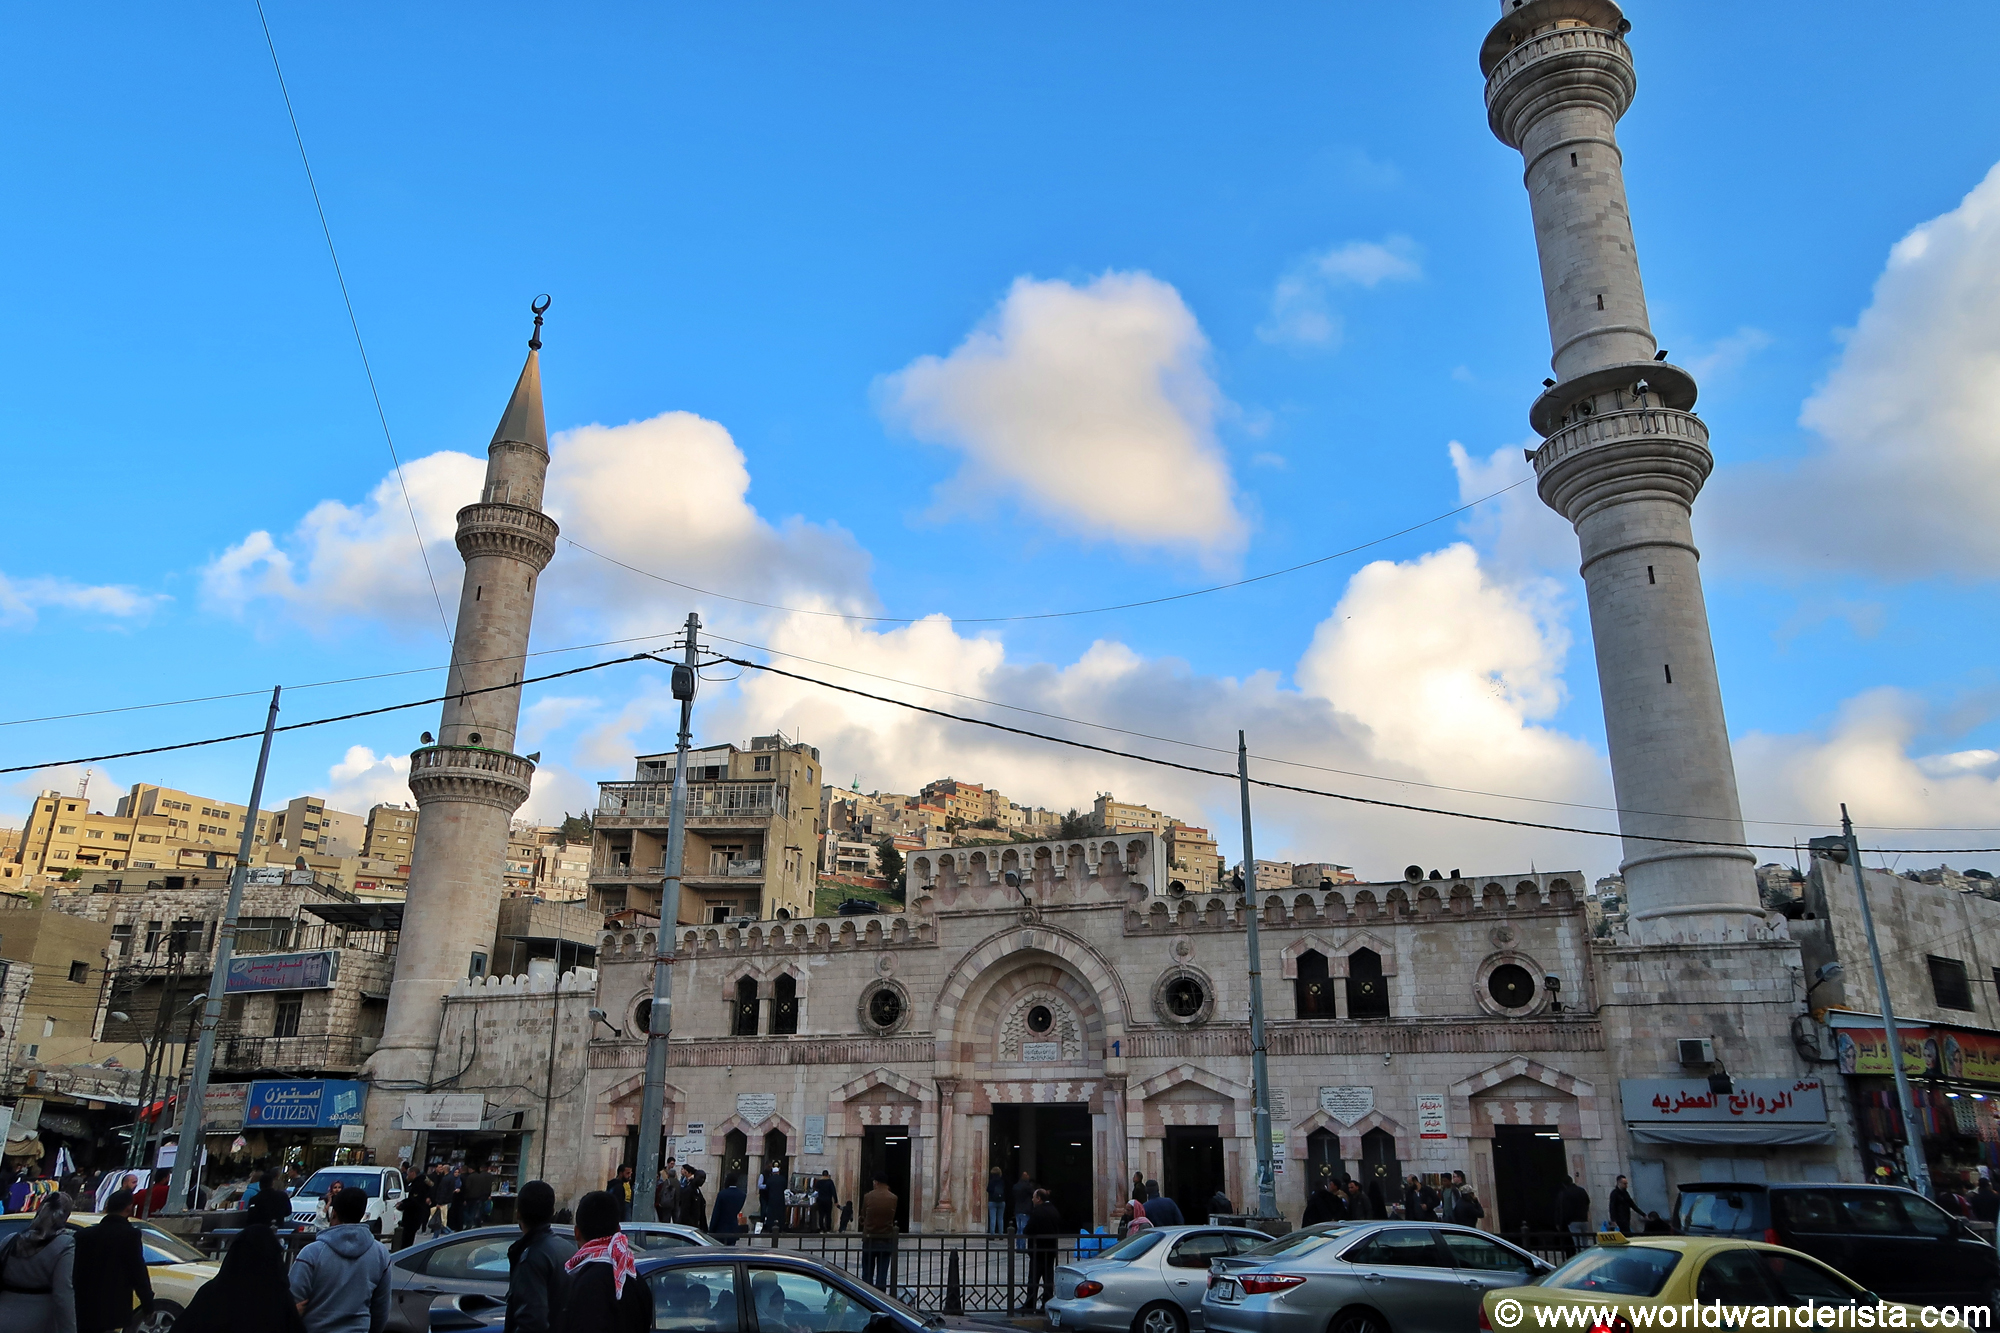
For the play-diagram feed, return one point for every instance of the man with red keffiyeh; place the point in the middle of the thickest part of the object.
(606, 1294)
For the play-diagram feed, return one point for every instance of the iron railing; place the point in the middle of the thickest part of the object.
(706, 800)
(324, 1050)
(948, 1272)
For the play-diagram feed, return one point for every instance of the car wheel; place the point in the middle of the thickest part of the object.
(161, 1319)
(1359, 1321)
(1161, 1318)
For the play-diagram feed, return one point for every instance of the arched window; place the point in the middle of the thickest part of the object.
(1322, 1158)
(735, 1155)
(744, 1023)
(1367, 991)
(785, 1004)
(1312, 992)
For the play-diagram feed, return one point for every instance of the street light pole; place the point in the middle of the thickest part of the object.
(225, 945)
(1913, 1147)
(659, 1016)
(1267, 1184)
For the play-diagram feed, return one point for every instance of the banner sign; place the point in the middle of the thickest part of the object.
(444, 1110)
(1688, 1101)
(1430, 1116)
(304, 1104)
(283, 971)
(222, 1107)
(1966, 1057)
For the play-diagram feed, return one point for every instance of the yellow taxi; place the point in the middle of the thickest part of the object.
(177, 1268)
(1627, 1284)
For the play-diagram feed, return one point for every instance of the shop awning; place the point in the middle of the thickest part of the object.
(368, 915)
(1721, 1136)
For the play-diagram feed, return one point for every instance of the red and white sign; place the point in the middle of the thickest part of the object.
(1430, 1116)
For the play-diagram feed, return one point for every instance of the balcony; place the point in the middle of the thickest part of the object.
(710, 804)
(328, 1052)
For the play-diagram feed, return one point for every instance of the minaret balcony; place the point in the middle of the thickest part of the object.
(1607, 457)
(1557, 66)
(528, 535)
(470, 773)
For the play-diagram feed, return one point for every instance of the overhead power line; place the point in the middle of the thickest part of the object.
(1290, 787)
(1054, 615)
(352, 322)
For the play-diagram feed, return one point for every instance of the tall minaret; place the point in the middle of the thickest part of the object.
(469, 784)
(1623, 459)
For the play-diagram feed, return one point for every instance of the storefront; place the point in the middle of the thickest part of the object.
(464, 1130)
(1954, 1077)
(306, 1123)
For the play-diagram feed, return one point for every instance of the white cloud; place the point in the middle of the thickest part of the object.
(1091, 407)
(362, 779)
(1727, 354)
(23, 599)
(1519, 534)
(1302, 311)
(1910, 436)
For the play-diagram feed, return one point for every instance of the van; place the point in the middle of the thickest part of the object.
(1891, 1240)
(382, 1184)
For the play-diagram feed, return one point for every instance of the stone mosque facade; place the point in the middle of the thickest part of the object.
(1059, 1008)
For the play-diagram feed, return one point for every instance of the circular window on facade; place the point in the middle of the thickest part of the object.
(1184, 997)
(1511, 986)
(642, 1019)
(885, 1008)
(1040, 1019)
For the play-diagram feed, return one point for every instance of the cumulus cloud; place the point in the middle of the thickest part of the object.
(1909, 434)
(362, 778)
(23, 599)
(1091, 407)
(1521, 536)
(1302, 309)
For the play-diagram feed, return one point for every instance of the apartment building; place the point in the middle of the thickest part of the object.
(197, 819)
(307, 825)
(752, 833)
(562, 871)
(391, 832)
(1192, 861)
(1110, 815)
(63, 1001)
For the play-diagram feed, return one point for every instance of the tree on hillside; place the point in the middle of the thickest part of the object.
(577, 828)
(1076, 824)
(889, 860)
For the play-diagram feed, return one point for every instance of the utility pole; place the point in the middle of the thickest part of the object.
(188, 1156)
(1267, 1184)
(1913, 1146)
(659, 1016)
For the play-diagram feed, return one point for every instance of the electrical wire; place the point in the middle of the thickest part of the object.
(354, 323)
(1299, 763)
(1290, 787)
(1055, 615)
(323, 721)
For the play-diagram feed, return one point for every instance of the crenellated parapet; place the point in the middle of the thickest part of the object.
(1361, 904)
(815, 935)
(521, 985)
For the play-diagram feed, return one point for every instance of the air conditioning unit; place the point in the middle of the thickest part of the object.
(1697, 1051)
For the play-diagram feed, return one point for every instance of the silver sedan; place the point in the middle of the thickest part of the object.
(1148, 1283)
(1365, 1277)
(459, 1281)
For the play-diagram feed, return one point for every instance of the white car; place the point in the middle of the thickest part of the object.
(382, 1184)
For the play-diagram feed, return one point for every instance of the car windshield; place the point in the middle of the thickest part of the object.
(1294, 1245)
(1719, 1213)
(368, 1182)
(1132, 1246)
(1617, 1270)
(164, 1247)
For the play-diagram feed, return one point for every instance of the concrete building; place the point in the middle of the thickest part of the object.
(1623, 459)
(1311, 874)
(152, 828)
(562, 870)
(752, 833)
(307, 825)
(1108, 815)
(469, 783)
(1192, 861)
(62, 961)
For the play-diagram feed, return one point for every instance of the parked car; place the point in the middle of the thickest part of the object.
(1364, 1277)
(1676, 1270)
(459, 1281)
(857, 907)
(1151, 1282)
(1892, 1241)
(176, 1268)
(382, 1184)
(702, 1291)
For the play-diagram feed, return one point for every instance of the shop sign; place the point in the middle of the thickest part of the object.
(1430, 1116)
(353, 1134)
(756, 1107)
(304, 1104)
(1278, 1151)
(66, 1125)
(1347, 1104)
(27, 1113)
(1753, 1101)
(815, 1136)
(444, 1110)
(694, 1142)
(283, 971)
(265, 876)
(1963, 1057)
(222, 1107)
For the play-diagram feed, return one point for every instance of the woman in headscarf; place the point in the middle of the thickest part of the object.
(37, 1280)
(249, 1294)
(606, 1293)
(1138, 1222)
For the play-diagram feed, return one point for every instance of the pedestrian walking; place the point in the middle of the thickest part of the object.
(341, 1280)
(1360, 1208)
(1468, 1210)
(771, 1195)
(443, 1196)
(666, 1207)
(1622, 1207)
(1163, 1211)
(1045, 1223)
(606, 1293)
(1219, 1205)
(1022, 1196)
(996, 1202)
(111, 1259)
(691, 1206)
(825, 1195)
(537, 1281)
(619, 1187)
(878, 1235)
(1573, 1212)
(249, 1294)
(1135, 1216)
(727, 1223)
(38, 1272)
(1322, 1205)
(475, 1197)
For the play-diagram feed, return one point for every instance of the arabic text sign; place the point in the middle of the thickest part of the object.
(222, 1107)
(283, 971)
(1970, 1057)
(304, 1104)
(1755, 1100)
(1430, 1116)
(815, 1136)
(443, 1110)
(756, 1107)
(1347, 1104)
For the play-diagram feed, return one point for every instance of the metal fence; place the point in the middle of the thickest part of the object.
(946, 1272)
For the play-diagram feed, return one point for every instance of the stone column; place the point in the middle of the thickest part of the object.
(1623, 459)
(947, 1118)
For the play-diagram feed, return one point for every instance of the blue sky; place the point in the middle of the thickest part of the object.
(1204, 291)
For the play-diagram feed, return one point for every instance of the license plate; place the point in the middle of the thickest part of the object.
(1225, 1290)
(1055, 1318)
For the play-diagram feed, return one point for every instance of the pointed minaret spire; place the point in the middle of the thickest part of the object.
(469, 782)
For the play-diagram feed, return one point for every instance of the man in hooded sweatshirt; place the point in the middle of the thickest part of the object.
(537, 1282)
(341, 1280)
